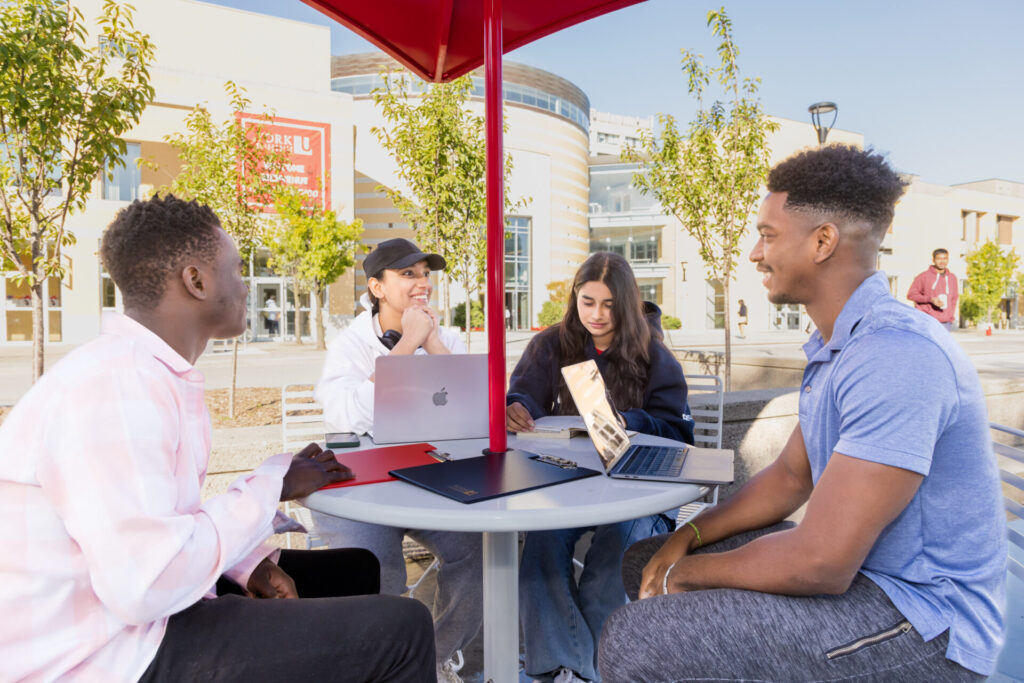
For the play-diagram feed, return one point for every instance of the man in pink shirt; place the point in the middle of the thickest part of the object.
(112, 565)
(935, 290)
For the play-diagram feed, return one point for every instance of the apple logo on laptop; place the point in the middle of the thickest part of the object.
(440, 398)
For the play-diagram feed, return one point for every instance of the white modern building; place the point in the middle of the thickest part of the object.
(284, 66)
(669, 269)
(580, 197)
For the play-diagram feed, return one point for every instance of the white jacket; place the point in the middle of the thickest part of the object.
(345, 391)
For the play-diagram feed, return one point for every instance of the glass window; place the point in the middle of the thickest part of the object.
(651, 291)
(523, 273)
(19, 295)
(55, 328)
(53, 292)
(644, 251)
(612, 191)
(512, 92)
(109, 295)
(18, 313)
(523, 243)
(19, 325)
(303, 299)
(108, 290)
(715, 319)
(517, 271)
(122, 182)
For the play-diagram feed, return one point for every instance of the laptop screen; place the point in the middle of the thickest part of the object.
(588, 392)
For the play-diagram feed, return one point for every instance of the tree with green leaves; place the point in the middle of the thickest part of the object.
(233, 168)
(63, 109)
(989, 272)
(438, 145)
(553, 310)
(313, 246)
(710, 177)
(230, 166)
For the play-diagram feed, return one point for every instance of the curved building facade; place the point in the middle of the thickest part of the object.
(548, 139)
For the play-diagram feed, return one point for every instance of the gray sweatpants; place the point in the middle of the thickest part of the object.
(728, 635)
(458, 603)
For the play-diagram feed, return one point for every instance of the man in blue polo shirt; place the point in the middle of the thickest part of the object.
(897, 569)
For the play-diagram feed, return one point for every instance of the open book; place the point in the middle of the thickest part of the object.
(558, 427)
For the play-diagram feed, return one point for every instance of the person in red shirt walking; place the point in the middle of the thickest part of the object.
(935, 291)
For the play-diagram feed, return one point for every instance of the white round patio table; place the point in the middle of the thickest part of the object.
(584, 502)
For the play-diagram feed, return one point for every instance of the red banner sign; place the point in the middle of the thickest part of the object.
(307, 145)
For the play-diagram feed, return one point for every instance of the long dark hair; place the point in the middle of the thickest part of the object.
(628, 355)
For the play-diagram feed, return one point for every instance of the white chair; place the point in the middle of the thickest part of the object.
(302, 418)
(706, 399)
(302, 421)
(1010, 666)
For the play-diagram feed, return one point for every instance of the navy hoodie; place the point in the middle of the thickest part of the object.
(537, 376)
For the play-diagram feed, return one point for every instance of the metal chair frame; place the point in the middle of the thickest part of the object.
(1010, 669)
(302, 421)
(706, 396)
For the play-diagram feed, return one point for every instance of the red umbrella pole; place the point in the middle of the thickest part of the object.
(495, 223)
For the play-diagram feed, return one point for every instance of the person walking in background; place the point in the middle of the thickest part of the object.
(935, 290)
(741, 322)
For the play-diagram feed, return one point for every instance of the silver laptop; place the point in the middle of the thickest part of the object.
(623, 460)
(430, 397)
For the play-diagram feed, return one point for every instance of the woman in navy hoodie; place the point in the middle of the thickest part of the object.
(607, 322)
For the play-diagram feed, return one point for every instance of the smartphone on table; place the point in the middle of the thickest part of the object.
(341, 439)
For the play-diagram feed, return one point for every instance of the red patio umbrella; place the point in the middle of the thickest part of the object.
(440, 40)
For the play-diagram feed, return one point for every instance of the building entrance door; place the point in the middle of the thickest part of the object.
(266, 320)
(517, 310)
(291, 311)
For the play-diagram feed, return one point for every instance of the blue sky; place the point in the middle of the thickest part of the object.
(939, 86)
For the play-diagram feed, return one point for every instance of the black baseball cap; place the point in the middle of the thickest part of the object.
(398, 253)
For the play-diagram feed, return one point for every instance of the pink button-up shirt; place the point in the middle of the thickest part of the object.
(102, 532)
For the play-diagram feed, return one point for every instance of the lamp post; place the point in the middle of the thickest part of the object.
(817, 110)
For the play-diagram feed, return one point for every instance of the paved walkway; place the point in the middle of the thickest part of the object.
(271, 364)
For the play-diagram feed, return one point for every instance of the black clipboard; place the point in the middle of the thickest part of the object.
(472, 480)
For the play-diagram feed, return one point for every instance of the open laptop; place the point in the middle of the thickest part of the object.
(621, 459)
(427, 397)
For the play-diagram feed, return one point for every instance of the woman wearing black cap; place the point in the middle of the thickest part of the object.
(398, 320)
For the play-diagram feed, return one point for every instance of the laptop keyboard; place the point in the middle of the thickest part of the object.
(657, 461)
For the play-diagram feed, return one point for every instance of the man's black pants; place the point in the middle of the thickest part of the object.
(337, 630)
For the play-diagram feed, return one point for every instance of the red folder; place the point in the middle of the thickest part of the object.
(371, 465)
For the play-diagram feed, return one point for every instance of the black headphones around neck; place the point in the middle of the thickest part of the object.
(390, 339)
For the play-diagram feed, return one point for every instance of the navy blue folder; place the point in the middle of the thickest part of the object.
(489, 476)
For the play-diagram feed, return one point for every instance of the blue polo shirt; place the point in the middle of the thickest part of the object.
(892, 387)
